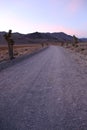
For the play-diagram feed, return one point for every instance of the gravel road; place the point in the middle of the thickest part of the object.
(47, 91)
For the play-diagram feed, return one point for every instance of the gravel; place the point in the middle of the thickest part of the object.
(47, 91)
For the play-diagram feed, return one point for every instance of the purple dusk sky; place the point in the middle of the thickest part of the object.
(27, 16)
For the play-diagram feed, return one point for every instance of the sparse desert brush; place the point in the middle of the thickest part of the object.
(82, 49)
(15, 53)
(18, 50)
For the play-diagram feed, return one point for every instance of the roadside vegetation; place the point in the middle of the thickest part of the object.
(13, 50)
(18, 50)
(79, 50)
(76, 46)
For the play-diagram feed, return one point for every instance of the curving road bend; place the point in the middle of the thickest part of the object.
(45, 92)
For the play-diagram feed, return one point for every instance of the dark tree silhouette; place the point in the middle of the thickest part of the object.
(10, 42)
(75, 40)
(42, 44)
(62, 43)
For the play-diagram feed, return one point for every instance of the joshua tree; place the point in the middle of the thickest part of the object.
(47, 44)
(62, 43)
(75, 40)
(67, 43)
(42, 44)
(10, 42)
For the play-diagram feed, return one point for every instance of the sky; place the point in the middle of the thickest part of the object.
(28, 16)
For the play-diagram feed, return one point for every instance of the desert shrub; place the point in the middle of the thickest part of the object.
(82, 49)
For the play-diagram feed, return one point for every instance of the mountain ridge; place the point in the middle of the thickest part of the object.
(39, 37)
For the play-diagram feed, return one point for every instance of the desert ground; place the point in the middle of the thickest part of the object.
(22, 49)
(18, 50)
(79, 53)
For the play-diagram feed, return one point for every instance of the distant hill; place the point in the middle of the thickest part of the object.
(2, 40)
(50, 36)
(62, 37)
(83, 39)
(38, 37)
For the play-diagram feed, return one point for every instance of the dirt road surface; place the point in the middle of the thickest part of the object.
(47, 91)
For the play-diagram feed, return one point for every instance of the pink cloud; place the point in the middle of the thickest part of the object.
(67, 30)
(75, 5)
(51, 28)
(54, 28)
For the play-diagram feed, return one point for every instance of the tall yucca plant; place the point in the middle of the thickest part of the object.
(75, 40)
(10, 42)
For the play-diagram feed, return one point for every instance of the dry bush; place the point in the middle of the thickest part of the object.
(80, 48)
